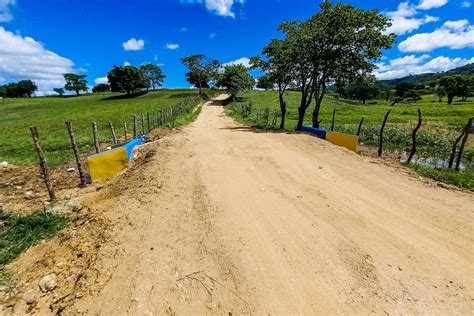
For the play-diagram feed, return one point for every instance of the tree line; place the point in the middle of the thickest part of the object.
(125, 79)
(205, 73)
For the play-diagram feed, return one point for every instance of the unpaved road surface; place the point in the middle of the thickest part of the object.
(222, 219)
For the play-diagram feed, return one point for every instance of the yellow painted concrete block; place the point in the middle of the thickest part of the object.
(344, 140)
(106, 164)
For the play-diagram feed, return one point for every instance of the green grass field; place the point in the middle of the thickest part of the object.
(435, 114)
(442, 123)
(49, 115)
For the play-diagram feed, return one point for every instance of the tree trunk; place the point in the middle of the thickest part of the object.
(363, 101)
(450, 99)
(77, 92)
(318, 98)
(301, 112)
(282, 109)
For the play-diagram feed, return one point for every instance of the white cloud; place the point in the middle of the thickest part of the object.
(431, 4)
(126, 63)
(24, 58)
(184, 29)
(219, 7)
(241, 61)
(212, 35)
(133, 44)
(101, 80)
(5, 14)
(172, 46)
(404, 19)
(452, 34)
(411, 65)
(466, 4)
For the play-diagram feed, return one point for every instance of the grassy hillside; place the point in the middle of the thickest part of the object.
(49, 115)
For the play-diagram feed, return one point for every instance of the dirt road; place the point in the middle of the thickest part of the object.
(222, 219)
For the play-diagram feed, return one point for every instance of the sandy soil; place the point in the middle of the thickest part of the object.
(219, 218)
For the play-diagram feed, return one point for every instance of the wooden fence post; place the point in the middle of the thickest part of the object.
(125, 129)
(148, 121)
(143, 123)
(43, 164)
(333, 118)
(96, 137)
(76, 153)
(112, 130)
(463, 143)
(413, 147)
(381, 133)
(360, 126)
(134, 126)
(455, 145)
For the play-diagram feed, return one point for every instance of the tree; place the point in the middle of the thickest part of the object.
(201, 71)
(154, 74)
(402, 89)
(278, 66)
(236, 79)
(440, 93)
(59, 91)
(101, 87)
(3, 91)
(337, 45)
(363, 89)
(75, 82)
(450, 87)
(265, 82)
(128, 79)
(20, 89)
(27, 87)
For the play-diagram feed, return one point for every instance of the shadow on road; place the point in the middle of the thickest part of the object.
(259, 130)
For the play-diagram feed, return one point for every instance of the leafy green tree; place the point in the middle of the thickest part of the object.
(27, 87)
(440, 93)
(236, 79)
(336, 45)
(20, 89)
(265, 82)
(59, 91)
(363, 89)
(278, 65)
(128, 79)
(450, 86)
(3, 91)
(101, 87)
(154, 74)
(201, 71)
(401, 90)
(75, 82)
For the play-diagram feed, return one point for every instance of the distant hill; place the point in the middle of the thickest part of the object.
(430, 77)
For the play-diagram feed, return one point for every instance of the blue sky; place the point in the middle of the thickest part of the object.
(40, 40)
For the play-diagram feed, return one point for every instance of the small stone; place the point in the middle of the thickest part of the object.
(262, 189)
(71, 169)
(320, 167)
(400, 268)
(28, 195)
(48, 283)
(4, 164)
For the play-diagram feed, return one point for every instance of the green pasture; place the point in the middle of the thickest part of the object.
(49, 115)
